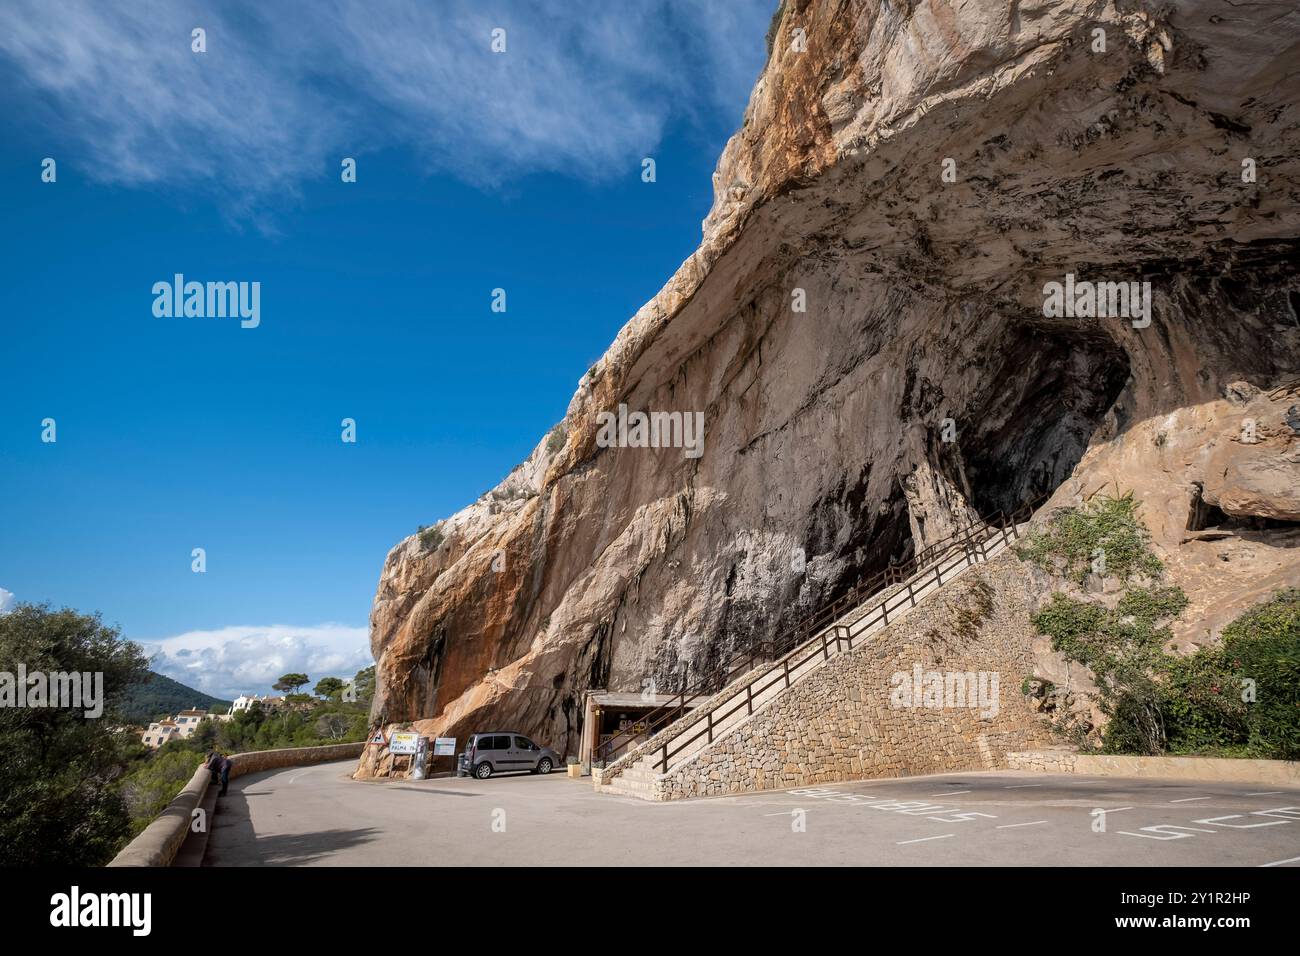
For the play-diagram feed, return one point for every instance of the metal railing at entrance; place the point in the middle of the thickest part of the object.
(899, 583)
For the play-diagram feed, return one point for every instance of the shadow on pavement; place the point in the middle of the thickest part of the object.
(234, 842)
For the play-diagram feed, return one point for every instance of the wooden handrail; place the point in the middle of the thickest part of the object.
(812, 625)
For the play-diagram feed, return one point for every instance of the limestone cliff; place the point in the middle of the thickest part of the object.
(914, 172)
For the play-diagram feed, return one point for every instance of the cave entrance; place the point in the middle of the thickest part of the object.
(1203, 516)
(1046, 396)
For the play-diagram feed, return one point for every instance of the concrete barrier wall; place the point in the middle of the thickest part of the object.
(158, 843)
(1226, 770)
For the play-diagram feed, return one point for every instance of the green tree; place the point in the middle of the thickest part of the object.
(331, 688)
(58, 804)
(289, 683)
(154, 784)
(364, 684)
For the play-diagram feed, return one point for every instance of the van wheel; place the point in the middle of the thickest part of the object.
(483, 771)
(544, 765)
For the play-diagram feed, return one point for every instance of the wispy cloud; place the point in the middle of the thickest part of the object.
(285, 90)
(6, 600)
(233, 660)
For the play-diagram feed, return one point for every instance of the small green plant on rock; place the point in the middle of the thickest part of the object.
(1124, 649)
(556, 438)
(1104, 534)
(431, 538)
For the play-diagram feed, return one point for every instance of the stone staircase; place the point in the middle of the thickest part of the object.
(638, 773)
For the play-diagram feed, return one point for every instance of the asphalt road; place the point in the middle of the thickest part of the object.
(316, 816)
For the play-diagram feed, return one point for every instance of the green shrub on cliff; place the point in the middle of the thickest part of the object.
(1123, 648)
(1105, 529)
(1239, 698)
(1244, 694)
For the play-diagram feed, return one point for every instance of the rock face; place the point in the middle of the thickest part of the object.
(865, 329)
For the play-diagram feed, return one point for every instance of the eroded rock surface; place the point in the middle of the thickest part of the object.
(824, 454)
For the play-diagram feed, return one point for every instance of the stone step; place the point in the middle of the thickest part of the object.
(640, 775)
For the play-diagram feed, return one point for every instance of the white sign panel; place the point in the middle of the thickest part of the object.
(444, 747)
(403, 743)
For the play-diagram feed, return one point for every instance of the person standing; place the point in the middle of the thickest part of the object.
(224, 768)
(213, 763)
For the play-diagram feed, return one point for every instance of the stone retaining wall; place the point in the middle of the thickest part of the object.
(839, 723)
(1228, 770)
(159, 842)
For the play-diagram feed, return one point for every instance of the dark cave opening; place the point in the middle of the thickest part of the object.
(1203, 516)
(1047, 395)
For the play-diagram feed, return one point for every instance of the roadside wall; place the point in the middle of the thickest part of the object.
(1227, 770)
(846, 721)
(159, 842)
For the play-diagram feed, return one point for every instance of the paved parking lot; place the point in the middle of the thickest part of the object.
(316, 816)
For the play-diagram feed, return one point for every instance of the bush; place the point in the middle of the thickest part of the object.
(556, 438)
(1106, 527)
(430, 538)
(1124, 650)
(1243, 695)
(1198, 704)
(149, 789)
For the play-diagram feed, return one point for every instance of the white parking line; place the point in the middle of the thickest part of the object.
(1189, 799)
(1012, 826)
(1023, 786)
(947, 793)
(923, 839)
(1265, 793)
(1281, 862)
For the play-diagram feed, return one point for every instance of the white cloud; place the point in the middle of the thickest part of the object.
(233, 660)
(6, 600)
(287, 89)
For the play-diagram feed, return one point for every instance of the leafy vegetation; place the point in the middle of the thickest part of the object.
(1124, 650)
(289, 683)
(1238, 698)
(430, 537)
(774, 27)
(1105, 535)
(556, 438)
(74, 789)
(155, 783)
(1244, 694)
(156, 777)
(58, 802)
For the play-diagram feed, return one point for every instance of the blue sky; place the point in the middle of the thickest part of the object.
(476, 170)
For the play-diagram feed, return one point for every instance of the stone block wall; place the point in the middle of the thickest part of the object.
(1221, 769)
(844, 721)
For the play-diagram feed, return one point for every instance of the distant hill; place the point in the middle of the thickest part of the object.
(161, 695)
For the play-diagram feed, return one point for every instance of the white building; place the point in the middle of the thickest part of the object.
(176, 728)
(159, 733)
(246, 701)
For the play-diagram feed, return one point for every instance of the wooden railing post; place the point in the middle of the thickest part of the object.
(749, 697)
(787, 674)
